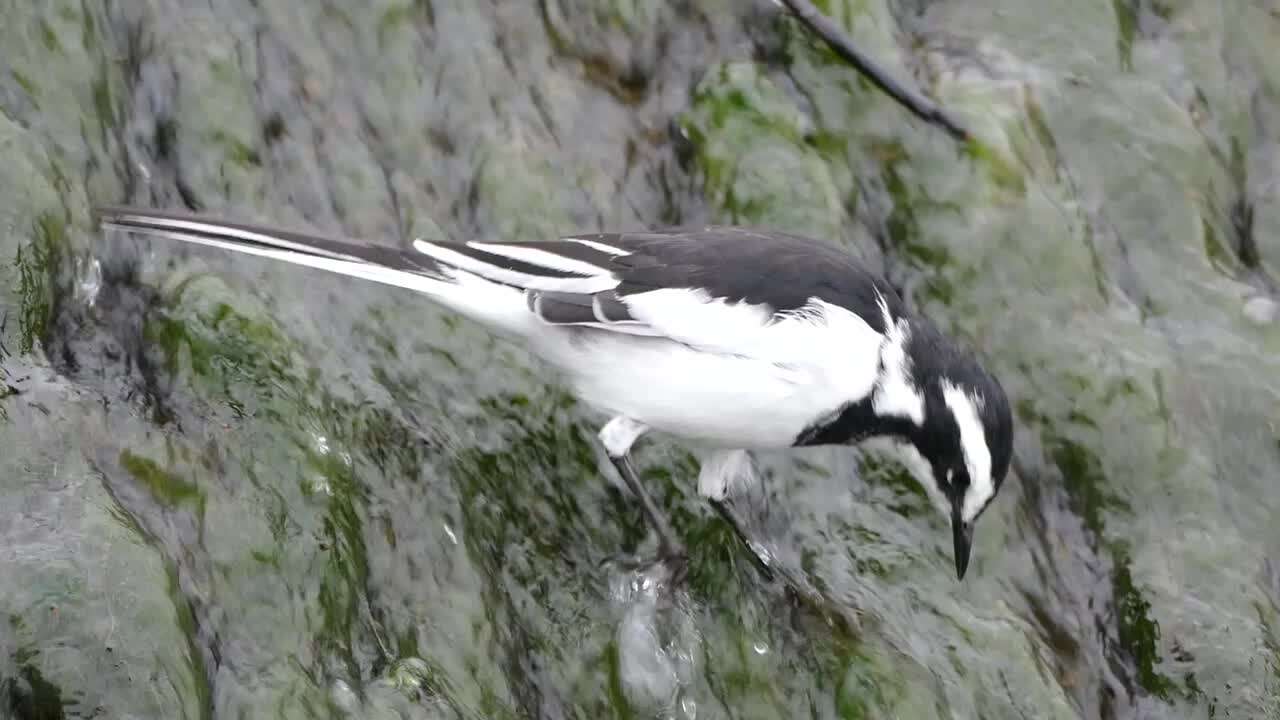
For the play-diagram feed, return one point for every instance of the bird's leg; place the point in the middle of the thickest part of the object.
(618, 435)
(714, 479)
(668, 546)
(722, 508)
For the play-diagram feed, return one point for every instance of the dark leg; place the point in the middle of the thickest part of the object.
(668, 546)
(719, 473)
(761, 564)
(618, 435)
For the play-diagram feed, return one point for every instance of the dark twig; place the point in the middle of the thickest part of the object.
(919, 105)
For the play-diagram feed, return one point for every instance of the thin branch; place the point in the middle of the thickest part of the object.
(919, 105)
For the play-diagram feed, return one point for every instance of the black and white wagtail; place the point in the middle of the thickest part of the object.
(736, 338)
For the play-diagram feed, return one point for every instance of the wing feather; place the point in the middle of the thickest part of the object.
(727, 290)
(518, 272)
(535, 258)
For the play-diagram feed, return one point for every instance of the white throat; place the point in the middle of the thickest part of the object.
(915, 463)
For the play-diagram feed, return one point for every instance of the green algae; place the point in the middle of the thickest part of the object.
(39, 265)
(167, 487)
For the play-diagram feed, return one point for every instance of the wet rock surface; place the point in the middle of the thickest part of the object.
(231, 488)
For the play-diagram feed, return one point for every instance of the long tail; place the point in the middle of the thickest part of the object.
(406, 269)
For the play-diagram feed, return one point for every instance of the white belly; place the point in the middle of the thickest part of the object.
(720, 400)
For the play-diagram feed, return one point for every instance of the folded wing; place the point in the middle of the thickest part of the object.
(729, 290)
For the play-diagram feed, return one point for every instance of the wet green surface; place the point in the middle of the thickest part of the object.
(236, 489)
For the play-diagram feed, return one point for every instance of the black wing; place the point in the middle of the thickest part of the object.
(777, 270)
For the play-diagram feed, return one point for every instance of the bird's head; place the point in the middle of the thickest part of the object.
(944, 416)
(955, 415)
(966, 440)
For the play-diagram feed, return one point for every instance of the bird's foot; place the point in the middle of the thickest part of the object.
(669, 567)
(675, 559)
(672, 555)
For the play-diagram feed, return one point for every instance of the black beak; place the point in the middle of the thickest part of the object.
(962, 533)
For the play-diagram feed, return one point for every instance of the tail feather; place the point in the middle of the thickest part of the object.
(490, 302)
(390, 266)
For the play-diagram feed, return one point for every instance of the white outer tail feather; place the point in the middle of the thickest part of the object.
(353, 267)
(490, 303)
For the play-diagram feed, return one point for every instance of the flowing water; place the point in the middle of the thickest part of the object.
(237, 489)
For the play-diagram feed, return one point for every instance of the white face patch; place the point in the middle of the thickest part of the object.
(973, 443)
(895, 394)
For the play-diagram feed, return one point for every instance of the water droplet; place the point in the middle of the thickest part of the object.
(90, 278)
(409, 673)
(320, 484)
(690, 708)
(1261, 310)
(761, 648)
(449, 531)
(762, 552)
(343, 696)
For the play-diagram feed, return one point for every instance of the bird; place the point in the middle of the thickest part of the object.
(736, 338)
